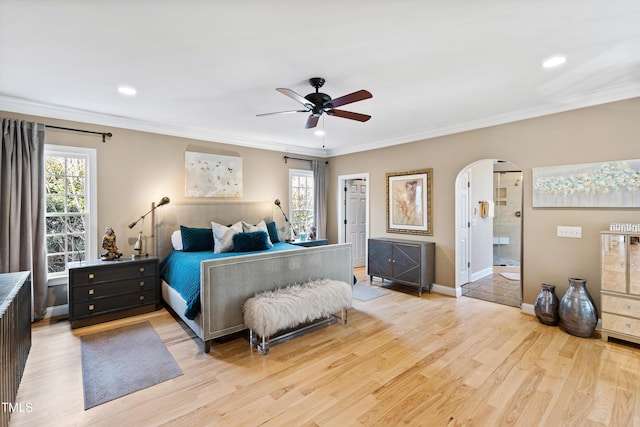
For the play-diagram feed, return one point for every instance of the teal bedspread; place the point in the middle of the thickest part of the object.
(181, 270)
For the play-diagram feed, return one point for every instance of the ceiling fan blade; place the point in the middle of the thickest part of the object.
(349, 115)
(348, 99)
(296, 97)
(312, 121)
(281, 112)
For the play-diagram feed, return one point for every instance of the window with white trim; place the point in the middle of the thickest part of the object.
(70, 191)
(301, 196)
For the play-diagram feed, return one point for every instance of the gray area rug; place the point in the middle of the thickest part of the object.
(124, 360)
(366, 293)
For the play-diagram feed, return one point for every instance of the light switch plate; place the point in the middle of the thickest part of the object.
(571, 232)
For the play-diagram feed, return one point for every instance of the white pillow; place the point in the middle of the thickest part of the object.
(261, 226)
(223, 236)
(176, 240)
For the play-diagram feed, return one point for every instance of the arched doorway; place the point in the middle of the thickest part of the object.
(489, 231)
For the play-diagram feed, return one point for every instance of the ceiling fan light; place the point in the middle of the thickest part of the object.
(554, 61)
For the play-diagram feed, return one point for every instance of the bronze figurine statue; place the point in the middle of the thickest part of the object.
(109, 244)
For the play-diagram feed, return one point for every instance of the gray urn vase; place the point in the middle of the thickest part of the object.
(577, 310)
(547, 305)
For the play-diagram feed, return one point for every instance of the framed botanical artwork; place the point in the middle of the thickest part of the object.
(614, 184)
(409, 198)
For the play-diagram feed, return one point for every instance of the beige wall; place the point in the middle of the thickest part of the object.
(601, 133)
(137, 168)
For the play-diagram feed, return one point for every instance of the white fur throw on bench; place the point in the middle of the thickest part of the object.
(273, 311)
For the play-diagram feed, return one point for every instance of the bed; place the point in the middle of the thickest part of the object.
(226, 282)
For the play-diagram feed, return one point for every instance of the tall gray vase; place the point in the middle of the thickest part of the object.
(577, 311)
(546, 305)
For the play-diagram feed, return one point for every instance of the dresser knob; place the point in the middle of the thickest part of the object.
(628, 307)
(91, 276)
(141, 269)
(91, 291)
(91, 307)
(141, 284)
(141, 297)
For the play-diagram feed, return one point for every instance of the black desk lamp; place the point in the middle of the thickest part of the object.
(138, 246)
(277, 203)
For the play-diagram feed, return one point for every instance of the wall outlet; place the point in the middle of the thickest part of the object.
(572, 232)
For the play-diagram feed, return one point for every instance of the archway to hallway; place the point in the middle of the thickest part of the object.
(489, 231)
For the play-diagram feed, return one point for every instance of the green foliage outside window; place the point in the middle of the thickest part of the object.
(65, 186)
(302, 202)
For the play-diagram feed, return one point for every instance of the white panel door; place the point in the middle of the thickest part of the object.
(463, 248)
(356, 219)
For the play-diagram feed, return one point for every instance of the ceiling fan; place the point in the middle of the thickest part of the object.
(317, 103)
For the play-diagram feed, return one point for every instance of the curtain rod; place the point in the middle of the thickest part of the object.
(104, 134)
(298, 158)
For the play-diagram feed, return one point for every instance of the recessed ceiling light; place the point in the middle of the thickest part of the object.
(127, 90)
(554, 61)
(319, 132)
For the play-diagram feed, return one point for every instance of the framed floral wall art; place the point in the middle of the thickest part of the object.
(613, 184)
(212, 175)
(409, 197)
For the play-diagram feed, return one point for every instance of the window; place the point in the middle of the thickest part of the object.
(301, 196)
(70, 182)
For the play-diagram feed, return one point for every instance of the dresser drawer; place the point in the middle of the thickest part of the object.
(621, 324)
(103, 305)
(107, 289)
(112, 272)
(620, 305)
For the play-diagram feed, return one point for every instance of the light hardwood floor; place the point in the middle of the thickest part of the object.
(401, 359)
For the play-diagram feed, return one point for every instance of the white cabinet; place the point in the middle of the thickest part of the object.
(620, 294)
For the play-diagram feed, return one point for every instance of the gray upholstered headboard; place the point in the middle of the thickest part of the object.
(169, 218)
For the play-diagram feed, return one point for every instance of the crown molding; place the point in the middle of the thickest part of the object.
(620, 93)
(23, 106)
(33, 108)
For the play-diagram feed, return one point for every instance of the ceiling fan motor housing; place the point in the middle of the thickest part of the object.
(318, 99)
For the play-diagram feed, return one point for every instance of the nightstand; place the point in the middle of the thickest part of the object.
(310, 243)
(100, 291)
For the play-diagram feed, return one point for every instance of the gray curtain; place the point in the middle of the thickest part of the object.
(321, 186)
(22, 206)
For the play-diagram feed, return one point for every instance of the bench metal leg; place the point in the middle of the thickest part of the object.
(260, 343)
(263, 344)
(343, 316)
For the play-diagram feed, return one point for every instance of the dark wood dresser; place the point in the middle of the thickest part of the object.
(15, 337)
(100, 291)
(407, 262)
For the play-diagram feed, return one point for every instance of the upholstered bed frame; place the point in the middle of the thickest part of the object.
(226, 283)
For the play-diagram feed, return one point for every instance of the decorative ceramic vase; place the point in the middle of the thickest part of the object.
(577, 311)
(546, 305)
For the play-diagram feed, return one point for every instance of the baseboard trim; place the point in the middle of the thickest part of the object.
(446, 290)
(57, 311)
(482, 273)
(528, 309)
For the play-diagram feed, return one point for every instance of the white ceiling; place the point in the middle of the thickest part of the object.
(204, 69)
